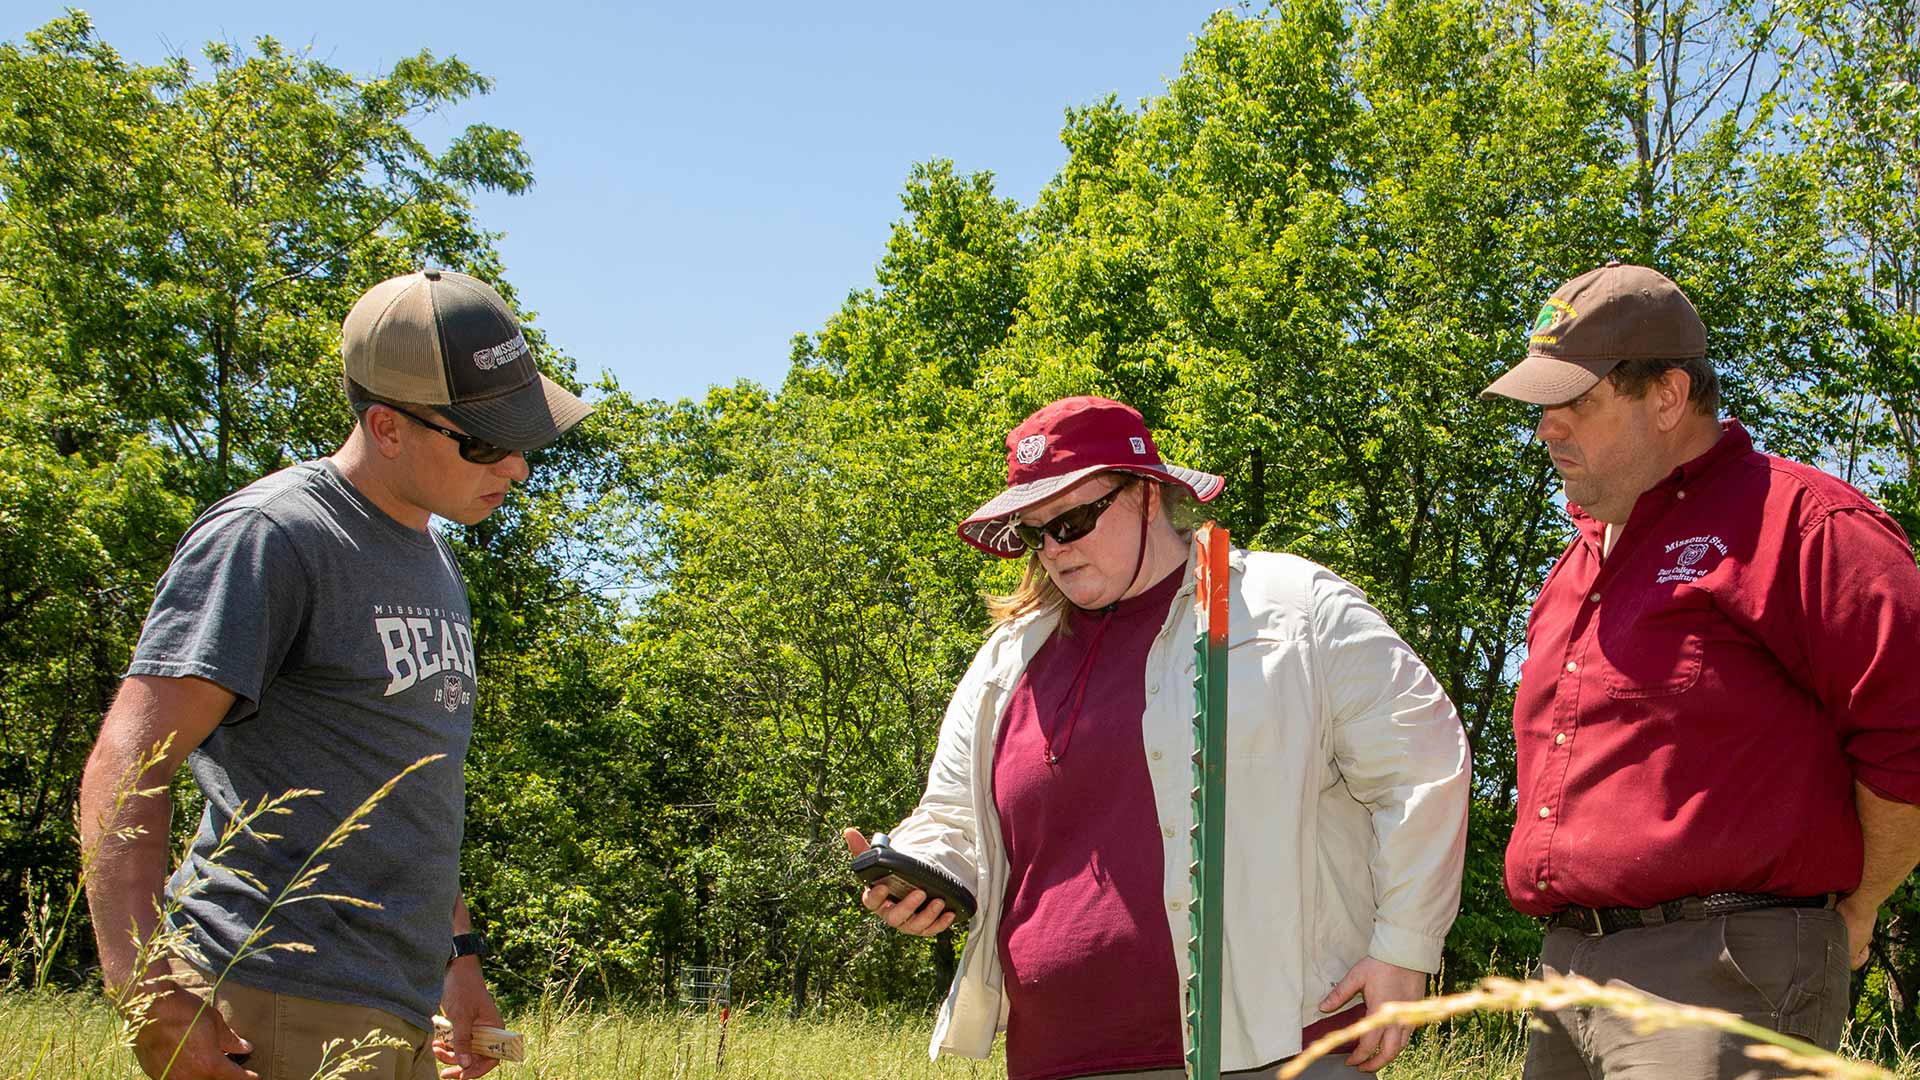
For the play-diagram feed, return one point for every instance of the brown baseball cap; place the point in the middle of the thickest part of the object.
(448, 340)
(1594, 322)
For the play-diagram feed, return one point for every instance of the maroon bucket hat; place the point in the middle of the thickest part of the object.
(1062, 444)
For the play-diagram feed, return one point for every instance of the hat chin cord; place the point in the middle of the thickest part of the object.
(1077, 695)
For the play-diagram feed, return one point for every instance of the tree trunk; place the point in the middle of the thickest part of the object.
(802, 962)
(1256, 494)
(702, 890)
(223, 419)
(1642, 121)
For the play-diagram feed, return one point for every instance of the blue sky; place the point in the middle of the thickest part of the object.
(712, 179)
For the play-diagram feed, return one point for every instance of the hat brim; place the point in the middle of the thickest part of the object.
(990, 528)
(1548, 380)
(526, 418)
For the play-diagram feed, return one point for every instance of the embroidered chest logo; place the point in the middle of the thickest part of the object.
(1688, 556)
(1030, 448)
(451, 695)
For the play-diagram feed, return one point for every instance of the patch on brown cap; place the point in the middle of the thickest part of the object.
(1591, 324)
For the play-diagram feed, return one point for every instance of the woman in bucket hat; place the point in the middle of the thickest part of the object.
(1059, 790)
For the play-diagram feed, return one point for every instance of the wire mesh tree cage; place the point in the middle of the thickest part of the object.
(709, 989)
(705, 987)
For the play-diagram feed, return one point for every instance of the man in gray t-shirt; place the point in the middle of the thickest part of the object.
(312, 632)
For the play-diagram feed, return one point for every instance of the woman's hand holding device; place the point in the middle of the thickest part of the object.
(909, 895)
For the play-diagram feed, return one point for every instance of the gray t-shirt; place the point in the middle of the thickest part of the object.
(346, 637)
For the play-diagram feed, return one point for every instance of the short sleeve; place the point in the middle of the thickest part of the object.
(230, 606)
(1860, 592)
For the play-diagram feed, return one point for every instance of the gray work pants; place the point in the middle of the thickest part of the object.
(1783, 968)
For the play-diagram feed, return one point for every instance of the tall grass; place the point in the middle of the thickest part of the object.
(566, 1042)
(1497, 995)
(59, 1035)
(27, 964)
(45, 1033)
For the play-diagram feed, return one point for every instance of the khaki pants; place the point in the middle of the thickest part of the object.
(1784, 968)
(288, 1033)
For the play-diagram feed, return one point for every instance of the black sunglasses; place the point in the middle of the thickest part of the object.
(1070, 525)
(477, 450)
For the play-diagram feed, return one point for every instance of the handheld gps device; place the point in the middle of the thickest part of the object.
(900, 874)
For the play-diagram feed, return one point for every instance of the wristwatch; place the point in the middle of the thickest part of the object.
(474, 944)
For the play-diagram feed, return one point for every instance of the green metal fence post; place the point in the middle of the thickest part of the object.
(1208, 868)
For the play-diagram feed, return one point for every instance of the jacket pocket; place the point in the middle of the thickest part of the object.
(1268, 714)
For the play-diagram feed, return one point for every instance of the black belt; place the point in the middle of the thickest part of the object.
(1598, 921)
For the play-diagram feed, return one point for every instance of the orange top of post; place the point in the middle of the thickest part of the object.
(1211, 574)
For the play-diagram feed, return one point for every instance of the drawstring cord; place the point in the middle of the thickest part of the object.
(1081, 675)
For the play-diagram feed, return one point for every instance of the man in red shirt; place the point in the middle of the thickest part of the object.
(1717, 724)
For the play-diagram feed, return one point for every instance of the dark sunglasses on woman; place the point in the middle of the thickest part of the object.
(477, 450)
(1070, 525)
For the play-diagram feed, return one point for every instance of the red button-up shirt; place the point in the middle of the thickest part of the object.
(1694, 708)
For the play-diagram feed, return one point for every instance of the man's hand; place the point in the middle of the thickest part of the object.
(1860, 919)
(1890, 834)
(464, 1000)
(1380, 982)
(176, 1018)
(910, 914)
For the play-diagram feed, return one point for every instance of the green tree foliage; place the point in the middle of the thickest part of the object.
(813, 618)
(177, 250)
(1304, 260)
(565, 771)
(1860, 119)
(187, 239)
(81, 538)
(715, 632)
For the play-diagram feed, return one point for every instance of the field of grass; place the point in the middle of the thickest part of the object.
(73, 1037)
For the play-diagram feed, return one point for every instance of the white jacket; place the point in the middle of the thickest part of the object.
(1346, 794)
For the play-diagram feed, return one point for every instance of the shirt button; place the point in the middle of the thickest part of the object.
(1571, 666)
(1541, 884)
(1679, 494)
(1175, 905)
(1544, 812)
(1156, 755)
(1560, 739)
(1595, 597)
(1166, 831)
(1154, 689)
